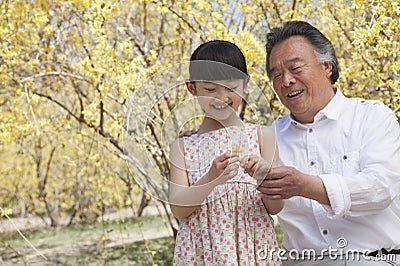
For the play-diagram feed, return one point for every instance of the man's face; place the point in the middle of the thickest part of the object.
(301, 82)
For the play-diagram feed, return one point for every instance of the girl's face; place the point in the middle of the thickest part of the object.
(219, 99)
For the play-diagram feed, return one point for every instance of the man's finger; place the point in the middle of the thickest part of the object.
(270, 191)
(271, 183)
(273, 196)
(276, 173)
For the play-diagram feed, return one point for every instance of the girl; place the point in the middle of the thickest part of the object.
(214, 172)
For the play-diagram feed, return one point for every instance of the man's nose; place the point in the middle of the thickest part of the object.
(288, 79)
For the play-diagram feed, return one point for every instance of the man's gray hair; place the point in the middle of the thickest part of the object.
(323, 48)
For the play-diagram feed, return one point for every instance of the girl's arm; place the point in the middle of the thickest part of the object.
(185, 198)
(258, 167)
(269, 152)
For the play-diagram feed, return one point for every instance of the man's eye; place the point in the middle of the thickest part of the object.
(277, 76)
(296, 68)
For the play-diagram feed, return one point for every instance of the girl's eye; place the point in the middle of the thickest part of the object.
(210, 89)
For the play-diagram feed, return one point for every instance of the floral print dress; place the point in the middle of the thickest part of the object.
(232, 226)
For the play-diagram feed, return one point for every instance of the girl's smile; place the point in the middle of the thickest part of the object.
(220, 106)
(220, 100)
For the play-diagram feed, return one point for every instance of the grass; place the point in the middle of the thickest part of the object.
(161, 253)
(93, 238)
(60, 242)
(87, 230)
(279, 234)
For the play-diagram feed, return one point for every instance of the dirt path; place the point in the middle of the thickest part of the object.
(31, 223)
(74, 247)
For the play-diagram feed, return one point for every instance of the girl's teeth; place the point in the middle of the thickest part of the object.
(219, 107)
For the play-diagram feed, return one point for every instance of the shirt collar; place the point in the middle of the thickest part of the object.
(331, 111)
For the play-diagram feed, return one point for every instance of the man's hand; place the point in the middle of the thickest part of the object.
(282, 183)
(285, 182)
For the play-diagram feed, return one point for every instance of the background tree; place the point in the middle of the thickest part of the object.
(72, 72)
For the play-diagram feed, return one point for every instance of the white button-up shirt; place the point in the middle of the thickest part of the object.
(353, 145)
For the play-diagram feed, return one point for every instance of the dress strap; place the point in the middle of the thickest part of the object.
(253, 141)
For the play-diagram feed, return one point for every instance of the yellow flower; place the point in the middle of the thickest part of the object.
(5, 212)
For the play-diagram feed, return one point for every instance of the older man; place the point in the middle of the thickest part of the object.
(339, 157)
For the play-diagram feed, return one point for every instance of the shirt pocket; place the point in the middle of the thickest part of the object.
(346, 163)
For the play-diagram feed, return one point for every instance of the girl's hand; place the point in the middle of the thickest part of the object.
(224, 167)
(255, 166)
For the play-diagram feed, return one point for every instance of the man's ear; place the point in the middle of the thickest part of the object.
(246, 83)
(328, 69)
(191, 87)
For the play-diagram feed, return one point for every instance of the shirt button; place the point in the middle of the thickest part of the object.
(344, 157)
(312, 163)
(325, 232)
(310, 130)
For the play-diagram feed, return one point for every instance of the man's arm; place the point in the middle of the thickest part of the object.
(370, 190)
(284, 182)
(377, 183)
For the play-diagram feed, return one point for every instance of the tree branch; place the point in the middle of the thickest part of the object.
(348, 37)
(293, 9)
(49, 164)
(53, 73)
(185, 21)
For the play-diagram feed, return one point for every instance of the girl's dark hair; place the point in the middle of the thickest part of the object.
(217, 60)
(323, 48)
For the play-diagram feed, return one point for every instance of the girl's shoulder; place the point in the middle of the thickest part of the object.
(176, 145)
(261, 129)
(265, 134)
(251, 125)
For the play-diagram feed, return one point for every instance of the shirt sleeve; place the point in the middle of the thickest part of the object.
(377, 183)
